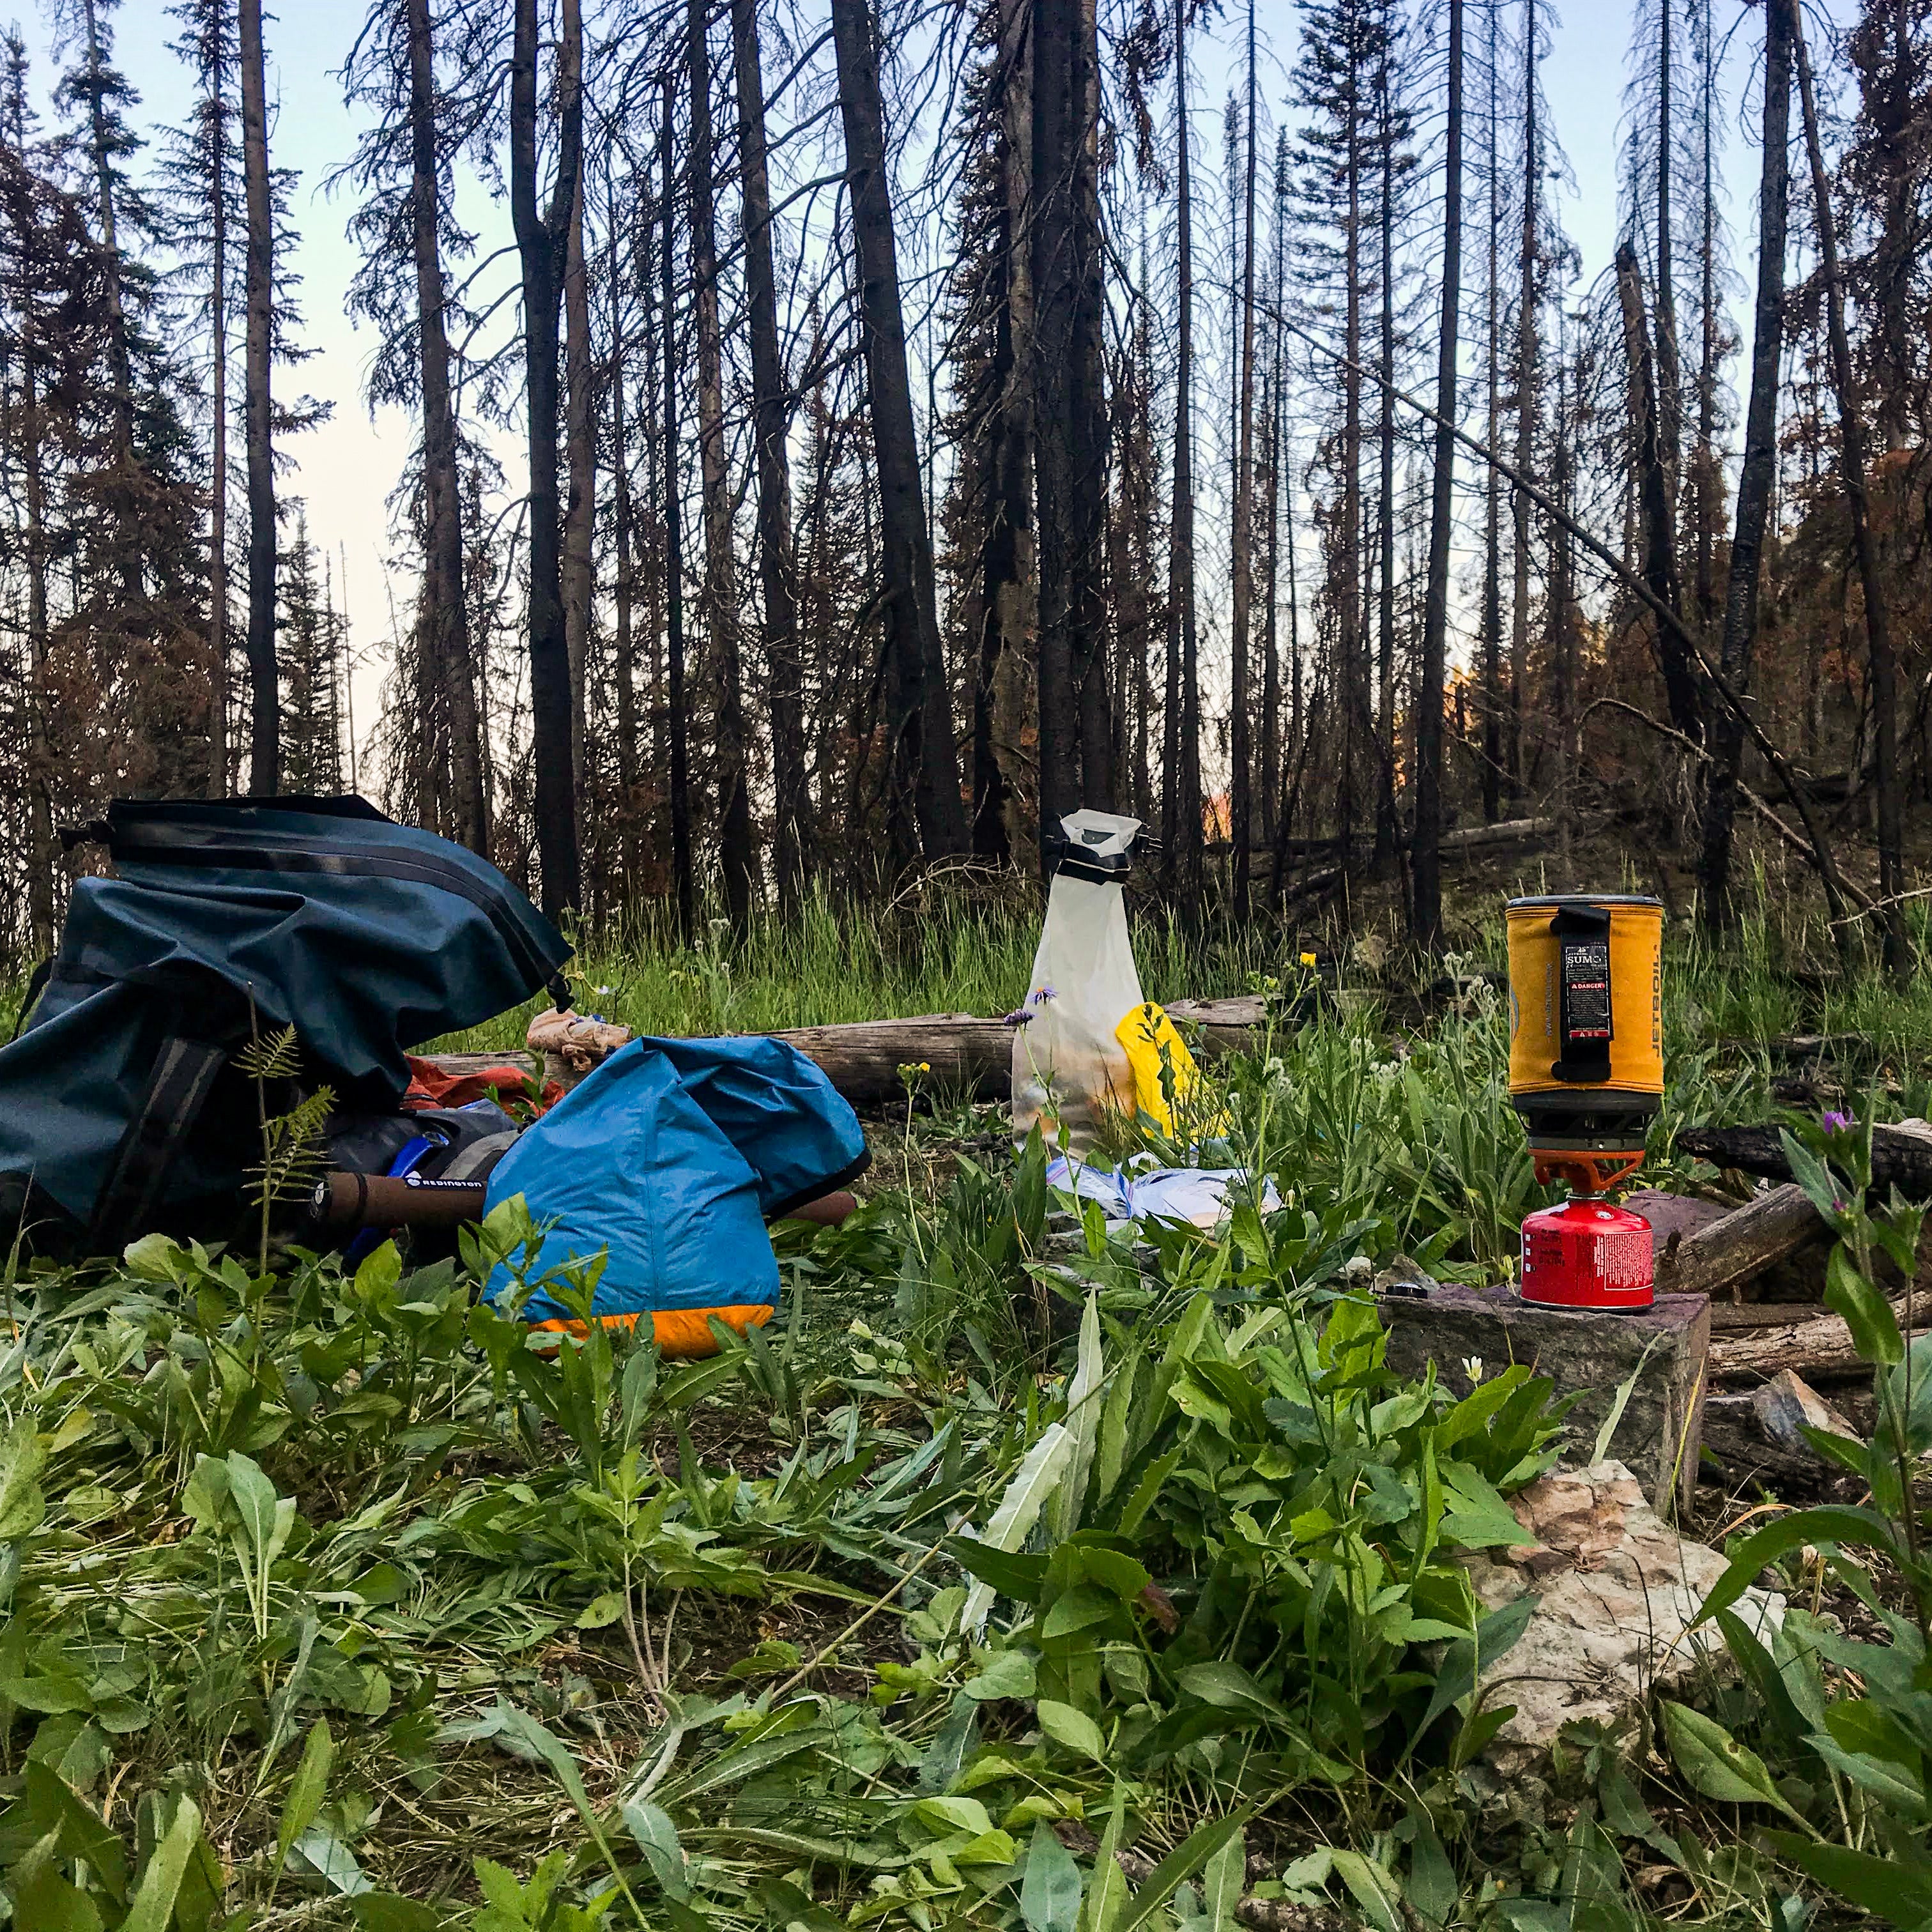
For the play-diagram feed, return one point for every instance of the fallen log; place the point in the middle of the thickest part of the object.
(961, 1053)
(1743, 1243)
(1900, 1158)
(1816, 1346)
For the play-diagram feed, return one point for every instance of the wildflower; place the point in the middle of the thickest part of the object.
(1834, 1123)
(1017, 1017)
(1308, 959)
(1043, 995)
(1473, 1367)
(606, 991)
(925, 1067)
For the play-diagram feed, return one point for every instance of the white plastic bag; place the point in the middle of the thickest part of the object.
(1145, 1189)
(1070, 1072)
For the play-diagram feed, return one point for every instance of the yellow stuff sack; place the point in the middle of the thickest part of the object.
(1147, 1037)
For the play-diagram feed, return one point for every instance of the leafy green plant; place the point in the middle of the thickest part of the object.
(291, 1141)
(1852, 1718)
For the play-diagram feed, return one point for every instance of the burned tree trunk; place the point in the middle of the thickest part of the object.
(1428, 858)
(924, 757)
(541, 240)
(1658, 519)
(1880, 653)
(737, 861)
(443, 626)
(1758, 472)
(1070, 451)
(771, 417)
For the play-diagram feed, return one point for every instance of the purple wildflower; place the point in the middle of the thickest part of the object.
(1017, 1017)
(1046, 993)
(1834, 1123)
(1841, 1207)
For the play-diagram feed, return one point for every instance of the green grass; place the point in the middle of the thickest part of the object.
(313, 1583)
(839, 964)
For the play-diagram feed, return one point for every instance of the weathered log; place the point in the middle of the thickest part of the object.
(1817, 1347)
(1802, 1046)
(963, 1053)
(481, 1062)
(1797, 1277)
(1900, 1159)
(1746, 1242)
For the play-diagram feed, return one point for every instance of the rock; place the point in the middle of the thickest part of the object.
(1739, 1458)
(1787, 1405)
(1590, 1353)
(1619, 1588)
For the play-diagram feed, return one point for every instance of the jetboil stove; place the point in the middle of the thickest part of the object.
(1586, 1074)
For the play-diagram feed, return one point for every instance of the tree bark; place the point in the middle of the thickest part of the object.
(771, 421)
(1070, 448)
(541, 241)
(1816, 1346)
(737, 864)
(1529, 289)
(1880, 652)
(924, 757)
(1005, 643)
(1708, 481)
(1386, 750)
(1557, 624)
(265, 740)
(1180, 793)
(1271, 752)
(218, 486)
(683, 885)
(1658, 521)
(1759, 471)
(577, 577)
(444, 627)
(1669, 378)
(1494, 701)
(1427, 862)
(624, 589)
(1240, 735)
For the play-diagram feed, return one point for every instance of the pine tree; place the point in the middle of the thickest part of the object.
(201, 189)
(1338, 168)
(311, 639)
(138, 572)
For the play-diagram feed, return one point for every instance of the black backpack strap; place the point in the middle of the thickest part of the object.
(183, 1072)
(37, 985)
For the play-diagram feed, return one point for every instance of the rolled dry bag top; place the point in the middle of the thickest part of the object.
(664, 1164)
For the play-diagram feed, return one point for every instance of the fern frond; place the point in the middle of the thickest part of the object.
(292, 1149)
(278, 1057)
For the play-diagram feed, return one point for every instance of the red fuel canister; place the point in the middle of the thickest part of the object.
(1588, 1254)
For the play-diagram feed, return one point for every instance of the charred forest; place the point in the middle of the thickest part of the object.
(844, 438)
